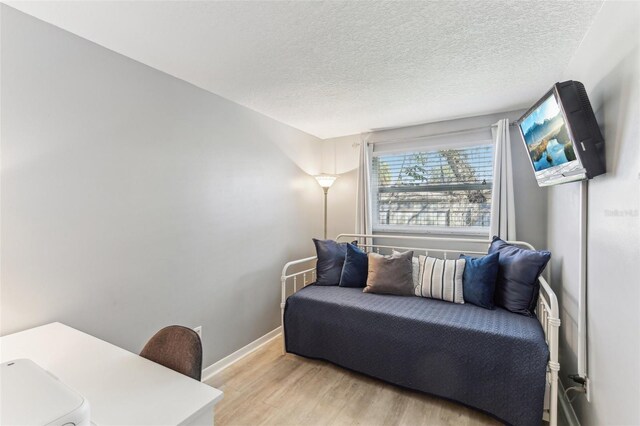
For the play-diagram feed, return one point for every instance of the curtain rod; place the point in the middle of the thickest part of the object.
(453, 132)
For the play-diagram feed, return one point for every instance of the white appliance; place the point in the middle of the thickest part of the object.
(30, 395)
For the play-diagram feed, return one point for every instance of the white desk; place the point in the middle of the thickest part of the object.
(122, 388)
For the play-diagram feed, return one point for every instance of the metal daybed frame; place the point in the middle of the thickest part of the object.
(547, 309)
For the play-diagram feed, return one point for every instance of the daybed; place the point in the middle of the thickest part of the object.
(492, 360)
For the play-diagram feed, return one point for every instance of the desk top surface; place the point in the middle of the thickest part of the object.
(121, 387)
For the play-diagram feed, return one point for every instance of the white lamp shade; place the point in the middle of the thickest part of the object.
(326, 181)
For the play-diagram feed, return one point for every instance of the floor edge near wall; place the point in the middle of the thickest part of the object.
(229, 360)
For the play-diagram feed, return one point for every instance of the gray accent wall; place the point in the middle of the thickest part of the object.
(608, 64)
(132, 200)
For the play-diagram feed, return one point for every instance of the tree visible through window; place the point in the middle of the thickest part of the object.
(433, 189)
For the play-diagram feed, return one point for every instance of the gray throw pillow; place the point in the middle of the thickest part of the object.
(416, 268)
(390, 274)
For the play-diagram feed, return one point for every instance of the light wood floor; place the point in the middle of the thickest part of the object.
(268, 388)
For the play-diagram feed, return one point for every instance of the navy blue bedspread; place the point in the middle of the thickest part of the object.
(494, 361)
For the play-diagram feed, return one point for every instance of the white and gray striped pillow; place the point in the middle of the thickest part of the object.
(440, 279)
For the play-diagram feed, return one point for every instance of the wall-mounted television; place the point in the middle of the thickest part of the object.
(562, 136)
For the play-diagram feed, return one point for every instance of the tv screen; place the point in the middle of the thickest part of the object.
(546, 135)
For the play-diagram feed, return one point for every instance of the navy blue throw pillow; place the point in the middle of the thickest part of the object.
(518, 287)
(355, 269)
(330, 261)
(479, 279)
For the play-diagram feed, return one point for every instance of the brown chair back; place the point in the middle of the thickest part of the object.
(178, 348)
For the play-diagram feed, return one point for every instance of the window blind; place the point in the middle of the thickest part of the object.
(437, 188)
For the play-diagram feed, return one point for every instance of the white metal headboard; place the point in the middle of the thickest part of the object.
(548, 310)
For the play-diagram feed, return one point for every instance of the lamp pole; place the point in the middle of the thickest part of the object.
(325, 181)
(326, 192)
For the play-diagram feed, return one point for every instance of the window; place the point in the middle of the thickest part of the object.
(438, 190)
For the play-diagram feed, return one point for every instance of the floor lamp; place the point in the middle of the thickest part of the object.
(325, 182)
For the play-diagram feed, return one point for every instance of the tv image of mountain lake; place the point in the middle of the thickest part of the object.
(553, 155)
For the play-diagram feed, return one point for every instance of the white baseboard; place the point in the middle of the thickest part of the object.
(227, 361)
(566, 408)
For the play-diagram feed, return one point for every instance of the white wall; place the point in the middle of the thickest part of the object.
(607, 63)
(132, 200)
(530, 200)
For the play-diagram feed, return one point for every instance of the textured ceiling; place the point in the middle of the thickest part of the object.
(337, 68)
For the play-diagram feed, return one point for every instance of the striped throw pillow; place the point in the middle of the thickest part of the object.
(440, 279)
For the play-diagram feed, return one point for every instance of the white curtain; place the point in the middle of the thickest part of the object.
(363, 201)
(503, 215)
